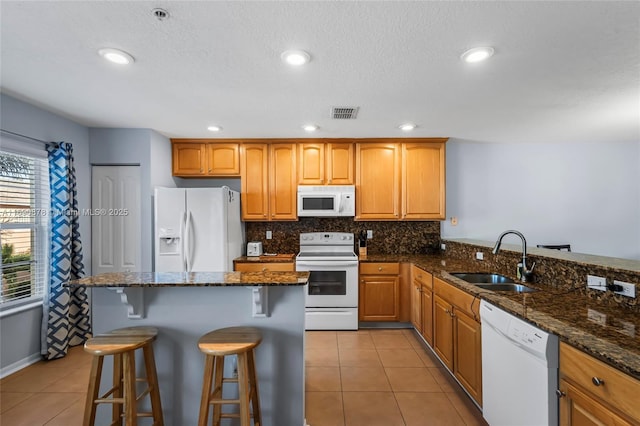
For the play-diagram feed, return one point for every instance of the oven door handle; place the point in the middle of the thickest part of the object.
(329, 312)
(335, 265)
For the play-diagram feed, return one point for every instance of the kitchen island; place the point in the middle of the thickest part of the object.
(184, 306)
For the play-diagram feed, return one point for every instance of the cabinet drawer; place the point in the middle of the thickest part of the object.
(460, 299)
(380, 268)
(264, 267)
(618, 389)
(425, 278)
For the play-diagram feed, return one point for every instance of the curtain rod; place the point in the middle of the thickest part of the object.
(29, 138)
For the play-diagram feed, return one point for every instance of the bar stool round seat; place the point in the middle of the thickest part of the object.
(122, 344)
(216, 345)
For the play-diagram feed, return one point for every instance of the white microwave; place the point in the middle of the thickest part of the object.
(326, 201)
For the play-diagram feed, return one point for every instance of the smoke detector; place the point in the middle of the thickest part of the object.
(344, 113)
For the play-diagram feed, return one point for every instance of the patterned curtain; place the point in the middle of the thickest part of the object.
(66, 311)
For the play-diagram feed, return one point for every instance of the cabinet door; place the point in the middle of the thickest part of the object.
(223, 159)
(311, 162)
(427, 315)
(282, 182)
(579, 409)
(377, 181)
(443, 331)
(254, 182)
(423, 181)
(339, 161)
(379, 298)
(189, 159)
(416, 305)
(468, 355)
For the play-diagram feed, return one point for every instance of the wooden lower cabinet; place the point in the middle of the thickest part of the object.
(443, 331)
(427, 315)
(579, 409)
(594, 393)
(264, 267)
(379, 292)
(457, 336)
(467, 361)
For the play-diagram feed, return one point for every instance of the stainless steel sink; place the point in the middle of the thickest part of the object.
(512, 287)
(482, 278)
(493, 282)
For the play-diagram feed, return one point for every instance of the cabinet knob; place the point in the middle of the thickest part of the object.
(596, 381)
(201, 170)
(209, 170)
(379, 268)
(329, 181)
(559, 393)
(264, 215)
(264, 269)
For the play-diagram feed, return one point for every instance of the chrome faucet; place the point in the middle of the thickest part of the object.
(526, 274)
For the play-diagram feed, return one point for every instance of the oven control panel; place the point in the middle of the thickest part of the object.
(326, 238)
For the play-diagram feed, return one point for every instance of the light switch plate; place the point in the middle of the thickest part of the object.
(628, 291)
(596, 283)
(269, 235)
(369, 234)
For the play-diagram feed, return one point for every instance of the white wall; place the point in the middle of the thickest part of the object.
(20, 332)
(587, 194)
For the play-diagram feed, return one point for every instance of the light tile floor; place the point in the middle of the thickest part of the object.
(353, 378)
(380, 378)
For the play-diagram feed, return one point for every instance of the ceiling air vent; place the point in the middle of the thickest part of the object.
(344, 113)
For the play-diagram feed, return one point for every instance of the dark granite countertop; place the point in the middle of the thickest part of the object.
(611, 334)
(192, 279)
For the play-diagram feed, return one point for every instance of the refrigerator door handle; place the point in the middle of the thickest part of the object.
(187, 242)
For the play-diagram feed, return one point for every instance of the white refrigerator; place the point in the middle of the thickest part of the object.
(197, 229)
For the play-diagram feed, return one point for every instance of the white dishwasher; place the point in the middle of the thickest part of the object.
(519, 371)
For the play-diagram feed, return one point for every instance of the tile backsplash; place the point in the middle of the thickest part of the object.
(388, 237)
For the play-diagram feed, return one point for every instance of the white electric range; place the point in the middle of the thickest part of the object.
(332, 295)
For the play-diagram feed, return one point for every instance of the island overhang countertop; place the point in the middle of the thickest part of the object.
(192, 279)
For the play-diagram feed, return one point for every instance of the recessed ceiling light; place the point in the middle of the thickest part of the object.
(116, 56)
(407, 127)
(214, 128)
(477, 54)
(310, 128)
(295, 57)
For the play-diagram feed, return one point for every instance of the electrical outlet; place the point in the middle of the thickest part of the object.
(369, 234)
(269, 235)
(443, 246)
(629, 290)
(479, 255)
(596, 283)
(454, 221)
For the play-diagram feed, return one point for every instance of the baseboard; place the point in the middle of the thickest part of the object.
(19, 365)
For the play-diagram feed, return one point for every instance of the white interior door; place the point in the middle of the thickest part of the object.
(116, 233)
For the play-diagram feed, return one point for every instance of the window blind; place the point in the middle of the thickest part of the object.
(24, 225)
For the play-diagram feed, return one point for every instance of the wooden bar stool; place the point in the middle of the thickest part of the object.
(217, 344)
(122, 344)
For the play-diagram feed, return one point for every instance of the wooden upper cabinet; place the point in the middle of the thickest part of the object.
(189, 159)
(282, 181)
(311, 164)
(202, 158)
(400, 180)
(339, 160)
(223, 159)
(268, 182)
(325, 163)
(377, 181)
(423, 181)
(254, 181)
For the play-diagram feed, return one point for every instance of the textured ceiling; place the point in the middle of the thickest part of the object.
(563, 71)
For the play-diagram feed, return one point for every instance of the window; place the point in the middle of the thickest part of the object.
(24, 226)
